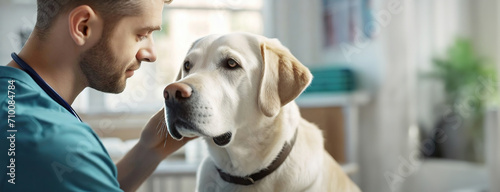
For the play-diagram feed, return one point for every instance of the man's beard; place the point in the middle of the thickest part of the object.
(101, 69)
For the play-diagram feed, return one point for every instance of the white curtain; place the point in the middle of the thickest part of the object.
(487, 38)
(412, 33)
(385, 156)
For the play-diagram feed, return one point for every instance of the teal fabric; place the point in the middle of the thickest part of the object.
(54, 151)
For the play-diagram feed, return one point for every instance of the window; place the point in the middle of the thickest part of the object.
(183, 23)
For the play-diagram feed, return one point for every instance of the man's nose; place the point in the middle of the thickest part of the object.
(177, 91)
(147, 54)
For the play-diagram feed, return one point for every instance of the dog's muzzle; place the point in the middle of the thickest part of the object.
(185, 114)
(182, 121)
(176, 96)
(175, 123)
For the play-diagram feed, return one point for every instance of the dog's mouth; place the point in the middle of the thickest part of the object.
(181, 123)
(174, 129)
(189, 130)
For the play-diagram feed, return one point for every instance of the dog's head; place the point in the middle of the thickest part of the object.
(230, 82)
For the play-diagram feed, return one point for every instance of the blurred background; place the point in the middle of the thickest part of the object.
(406, 92)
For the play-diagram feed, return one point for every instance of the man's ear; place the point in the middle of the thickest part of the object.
(284, 78)
(85, 24)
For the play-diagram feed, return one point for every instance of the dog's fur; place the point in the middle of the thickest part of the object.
(253, 102)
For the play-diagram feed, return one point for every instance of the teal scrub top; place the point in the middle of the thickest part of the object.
(47, 148)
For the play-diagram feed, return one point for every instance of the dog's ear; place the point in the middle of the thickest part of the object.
(283, 77)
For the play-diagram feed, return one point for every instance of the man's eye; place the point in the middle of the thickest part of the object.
(142, 37)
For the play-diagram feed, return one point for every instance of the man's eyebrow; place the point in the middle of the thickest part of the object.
(152, 28)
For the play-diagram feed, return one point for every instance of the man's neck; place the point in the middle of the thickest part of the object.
(57, 67)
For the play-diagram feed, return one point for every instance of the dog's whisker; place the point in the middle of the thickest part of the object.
(159, 132)
(163, 127)
(159, 127)
(162, 130)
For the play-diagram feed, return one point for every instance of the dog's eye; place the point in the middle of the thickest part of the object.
(187, 65)
(231, 63)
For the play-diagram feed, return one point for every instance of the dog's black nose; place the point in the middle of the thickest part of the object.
(177, 91)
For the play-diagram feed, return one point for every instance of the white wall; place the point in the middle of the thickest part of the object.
(13, 18)
(295, 23)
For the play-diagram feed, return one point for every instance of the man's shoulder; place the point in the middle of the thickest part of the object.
(47, 146)
(36, 116)
(17, 85)
(9, 73)
(36, 113)
(65, 156)
(14, 76)
(28, 104)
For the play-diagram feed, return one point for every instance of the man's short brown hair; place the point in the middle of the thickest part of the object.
(110, 10)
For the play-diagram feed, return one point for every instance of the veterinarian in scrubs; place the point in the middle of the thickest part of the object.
(44, 146)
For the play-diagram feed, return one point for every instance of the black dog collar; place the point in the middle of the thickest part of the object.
(251, 179)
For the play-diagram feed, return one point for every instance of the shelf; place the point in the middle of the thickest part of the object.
(309, 100)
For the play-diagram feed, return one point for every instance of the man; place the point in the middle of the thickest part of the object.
(76, 44)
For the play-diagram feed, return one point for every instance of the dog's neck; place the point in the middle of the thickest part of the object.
(257, 146)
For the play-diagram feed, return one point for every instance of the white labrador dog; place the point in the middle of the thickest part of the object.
(236, 91)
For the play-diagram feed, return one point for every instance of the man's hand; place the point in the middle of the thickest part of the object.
(155, 136)
(153, 146)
